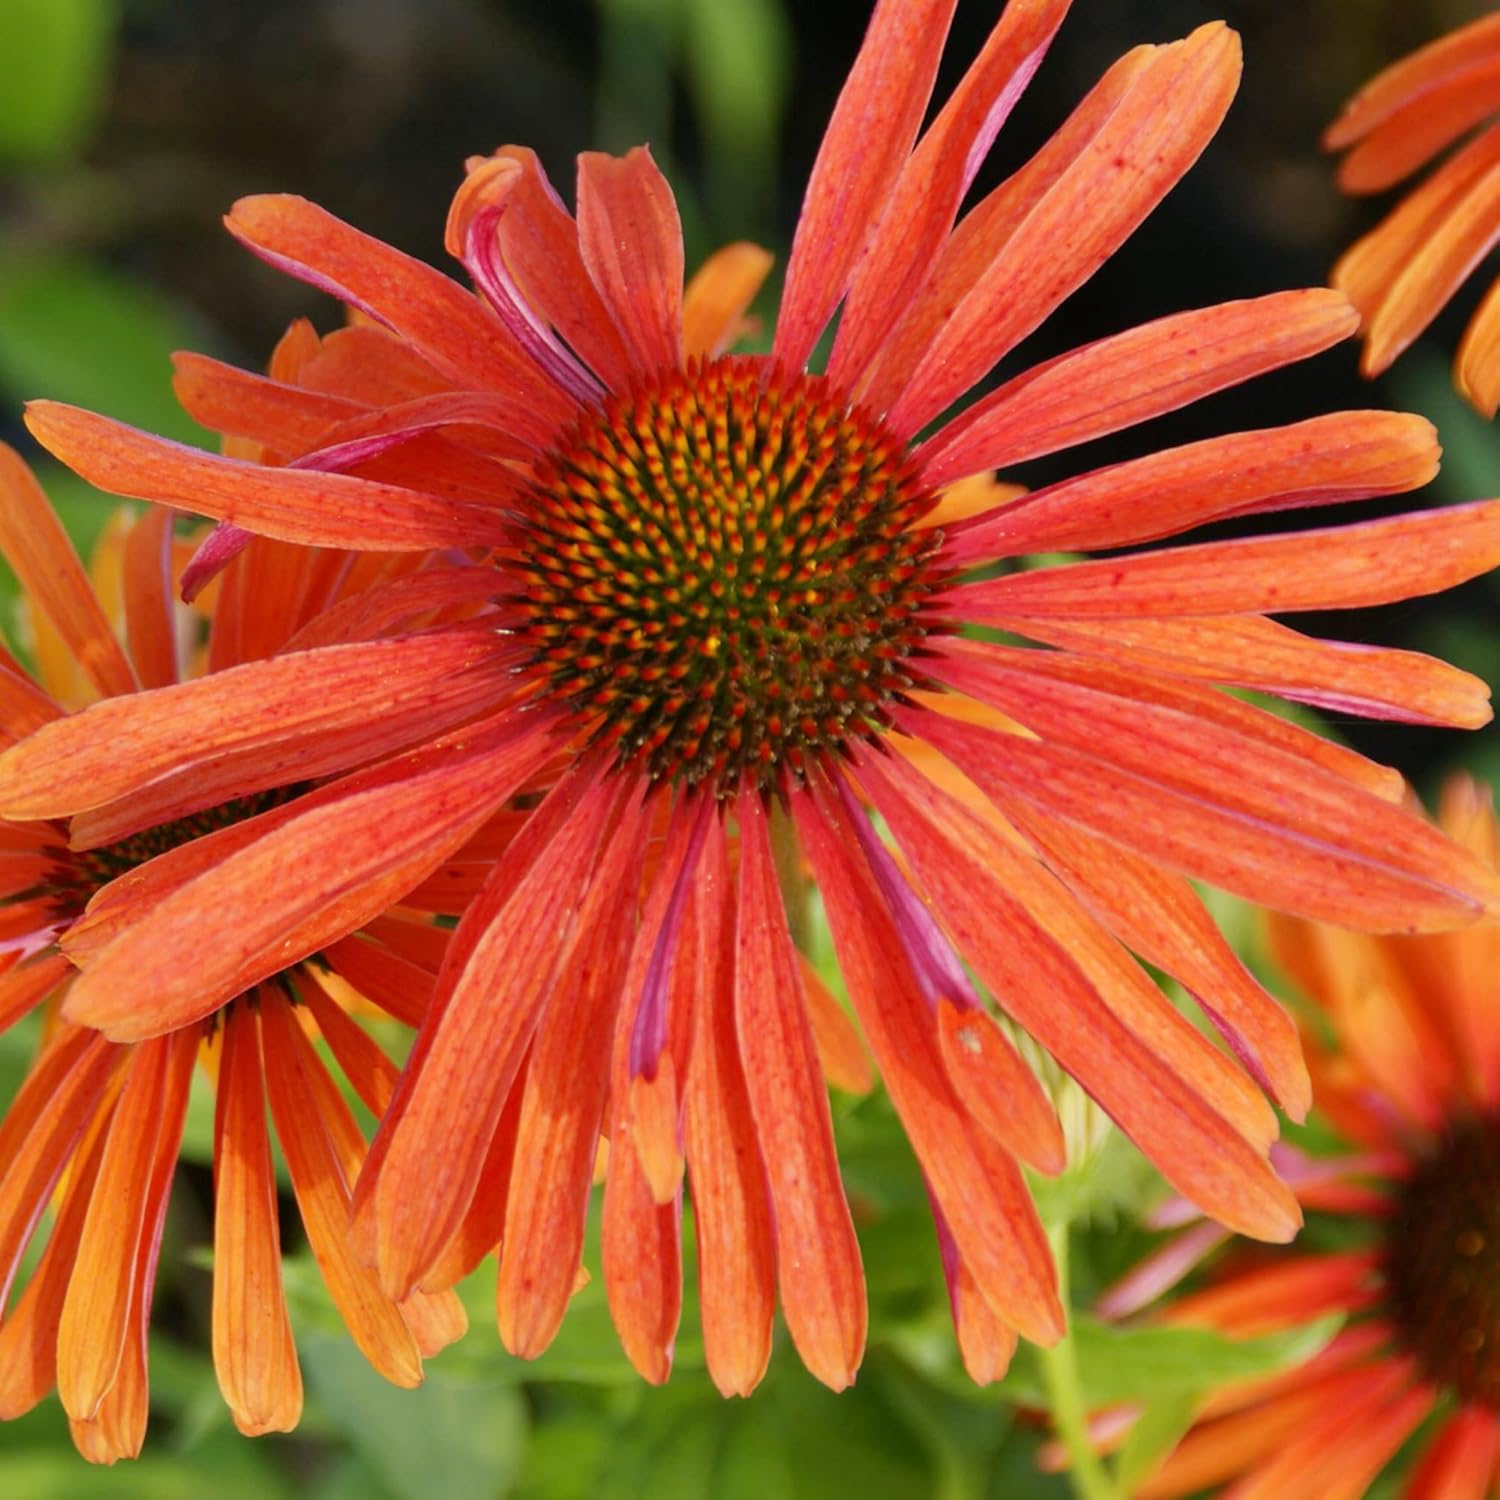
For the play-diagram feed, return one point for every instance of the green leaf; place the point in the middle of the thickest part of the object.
(75, 332)
(447, 1436)
(54, 62)
(1155, 1434)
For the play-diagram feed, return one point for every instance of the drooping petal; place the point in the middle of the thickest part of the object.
(1142, 373)
(1477, 368)
(254, 1357)
(1020, 930)
(875, 121)
(1339, 458)
(985, 1343)
(1462, 1460)
(731, 1206)
(149, 626)
(631, 241)
(818, 1265)
(297, 505)
(37, 548)
(1337, 567)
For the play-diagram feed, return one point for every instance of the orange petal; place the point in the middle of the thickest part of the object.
(631, 241)
(287, 418)
(254, 1357)
(563, 1106)
(24, 987)
(1021, 930)
(1250, 651)
(845, 1062)
(985, 1343)
(1338, 567)
(1342, 457)
(37, 548)
(354, 856)
(817, 1257)
(1462, 1460)
(718, 297)
(371, 1074)
(1169, 112)
(466, 1067)
(1116, 382)
(1286, 832)
(924, 200)
(974, 1180)
(731, 1207)
(123, 744)
(322, 1191)
(867, 143)
(448, 325)
(149, 625)
(1477, 368)
(298, 505)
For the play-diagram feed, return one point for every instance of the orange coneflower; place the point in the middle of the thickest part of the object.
(721, 615)
(1409, 1077)
(1403, 272)
(95, 1127)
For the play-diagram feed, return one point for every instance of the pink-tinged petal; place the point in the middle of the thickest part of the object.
(450, 326)
(149, 625)
(563, 1106)
(462, 1075)
(285, 418)
(1117, 382)
(817, 1256)
(1171, 110)
(1476, 370)
(865, 147)
(125, 744)
(731, 1206)
(38, 550)
(1339, 458)
(1336, 567)
(719, 295)
(641, 1248)
(1159, 916)
(1410, 78)
(1440, 264)
(215, 553)
(985, 1343)
(321, 1186)
(1027, 941)
(254, 1357)
(631, 241)
(1250, 651)
(1462, 1460)
(1424, 126)
(1159, 1272)
(972, 1177)
(297, 505)
(1307, 843)
(1368, 268)
(924, 201)
(244, 921)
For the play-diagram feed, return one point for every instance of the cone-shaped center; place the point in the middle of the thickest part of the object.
(722, 572)
(1442, 1262)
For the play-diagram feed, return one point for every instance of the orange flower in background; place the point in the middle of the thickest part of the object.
(95, 1128)
(720, 615)
(1409, 1076)
(1402, 274)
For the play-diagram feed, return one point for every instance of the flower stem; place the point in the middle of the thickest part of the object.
(1086, 1471)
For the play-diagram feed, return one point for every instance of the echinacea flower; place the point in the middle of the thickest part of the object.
(1404, 271)
(1409, 1077)
(95, 1127)
(722, 616)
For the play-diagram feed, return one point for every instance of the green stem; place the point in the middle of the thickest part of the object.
(1090, 1479)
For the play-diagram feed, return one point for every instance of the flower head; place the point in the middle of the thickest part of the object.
(723, 630)
(1404, 1045)
(95, 1129)
(1402, 274)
